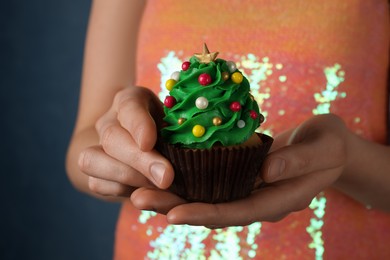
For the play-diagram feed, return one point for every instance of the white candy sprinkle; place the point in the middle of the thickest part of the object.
(175, 75)
(201, 103)
(241, 124)
(231, 66)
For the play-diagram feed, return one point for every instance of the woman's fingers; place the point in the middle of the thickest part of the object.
(270, 203)
(315, 146)
(300, 159)
(108, 177)
(109, 188)
(153, 199)
(118, 144)
(96, 163)
(128, 133)
(125, 158)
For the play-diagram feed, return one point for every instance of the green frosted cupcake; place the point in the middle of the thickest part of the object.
(209, 136)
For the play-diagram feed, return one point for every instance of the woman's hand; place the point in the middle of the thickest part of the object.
(303, 162)
(125, 159)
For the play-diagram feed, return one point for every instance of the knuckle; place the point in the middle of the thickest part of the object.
(303, 163)
(93, 184)
(293, 203)
(125, 100)
(127, 103)
(124, 175)
(105, 188)
(285, 207)
(114, 190)
(136, 160)
(302, 204)
(85, 159)
(130, 106)
(120, 95)
(297, 201)
(108, 136)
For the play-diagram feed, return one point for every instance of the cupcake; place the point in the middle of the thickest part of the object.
(209, 134)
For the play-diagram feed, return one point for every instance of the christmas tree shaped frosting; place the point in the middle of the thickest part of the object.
(209, 103)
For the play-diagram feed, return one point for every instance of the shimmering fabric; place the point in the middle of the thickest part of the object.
(301, 58)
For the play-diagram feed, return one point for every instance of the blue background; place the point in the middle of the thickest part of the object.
(42, 216)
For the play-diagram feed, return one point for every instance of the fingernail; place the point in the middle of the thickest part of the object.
(157, 171)
(276, 168)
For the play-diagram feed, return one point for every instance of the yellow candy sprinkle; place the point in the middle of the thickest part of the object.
(198, 131)
(237, 77)
(170, 83)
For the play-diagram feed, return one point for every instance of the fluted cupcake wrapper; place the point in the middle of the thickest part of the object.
(218, 174)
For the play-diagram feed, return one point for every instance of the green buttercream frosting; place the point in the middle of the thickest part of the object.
(235, 127)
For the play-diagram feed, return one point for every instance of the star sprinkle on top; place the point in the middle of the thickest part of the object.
(206, 56)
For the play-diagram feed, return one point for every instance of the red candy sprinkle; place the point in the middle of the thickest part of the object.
(235, 106)
(204, 79)
(253, 114)
(169, 101)
(186, 65)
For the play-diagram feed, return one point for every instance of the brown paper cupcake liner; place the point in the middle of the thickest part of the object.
(215, 175)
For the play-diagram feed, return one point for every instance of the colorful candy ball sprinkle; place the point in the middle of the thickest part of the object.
(186, 65)
(231, 66)
(253, 114)
(170, 83)
(181, 120)
(225, 75)
(240, 123)
(201, 103)
(176, 75)
(198, 131)
(169, 101)
(204, 79)
(217, 121)
(237, 77)
(235, 106)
